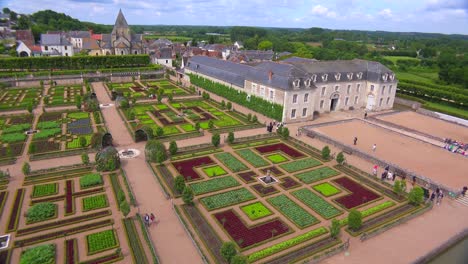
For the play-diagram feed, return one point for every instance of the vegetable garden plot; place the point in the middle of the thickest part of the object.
(185, 168)
(280, 147)
(11, 99)
(63, 95)
(360, 195)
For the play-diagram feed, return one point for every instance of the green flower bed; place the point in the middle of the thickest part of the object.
(47, 133)
(227, 198)
(316, 203)
(41, 212)
(214, 171)
(161, 107)
(300, 164)
(371, 211)
(252, 158)
(43, 254)
(78, 115)
(231, 162)
(45, 190)
(95, 202)
(101, 241)
(256, 210)
(169, 130)
(326, 189)
(176, 105)
(214, 185)
(48, 125)
(276, 158)
(11, 138)
(286, 244)
(16, 128)
(293, 211)
(316, 175)
(187, 127)
(90, 180)
(75, 143)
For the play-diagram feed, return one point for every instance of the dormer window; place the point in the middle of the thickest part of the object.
(337, 76)
(349, 75)
(325, 77)
(314, 77)
(392, 77)
(307, 82)
(296, 83)
(384, 76)
(359, 75)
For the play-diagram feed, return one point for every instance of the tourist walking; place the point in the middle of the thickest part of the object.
(152, 218)
(464, 190)
(355, 141)
(394, 176)
(433, 197)
(374, 147)
(390, 175)
(374, 170)
(147, 220)
(440, 196)
(365, 115)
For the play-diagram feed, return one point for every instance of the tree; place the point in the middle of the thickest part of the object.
(399, 187)
(173, 147)
(78, 102)
(120, 194)
(239, 259)
(254, 119)
(30, 107)
(160, 97)
(285, 132)
(124, 208)
(223, 104)
(354, 219)
(197, 126)
(124, 103)
(230, 137)
(170, 97)
(265, 45)
(326, 152)
(85, 158)
(155, 151)
(107, 159)
(82, 141)
(179, 183)
(215, 139)
(416, 195)
(210, 124)
(340, 158)
(228, 251)
(229, 105)
(187, 195)
(26, 168)
(249, 117)
(335, 228)
(159, 131)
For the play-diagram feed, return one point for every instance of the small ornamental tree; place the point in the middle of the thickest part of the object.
(254, 119)
(107, 159)
(26, 168)
(228, 251)
(399, 187)
(82, 142)
(229, 106)
(159, 132)
(335, 228)
(239, 259)
(124, 103)
(30, 108)
(124, 208)
(279, 131)
(197, 126)
(354, 220)
(179, 183)
(340, 158)
(285, 133)
(155, 151)
(210, 124)
(85, 158)
(230, 137)
(170, 97)
(249, 117)
(416, 195)
(223, 104)
(187, 195)
(120, 196)
(78, 102)
(326, 152)
(160, 97)
(215, 139)
(173, 147)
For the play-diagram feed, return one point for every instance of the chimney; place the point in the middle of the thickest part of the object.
(270, 75)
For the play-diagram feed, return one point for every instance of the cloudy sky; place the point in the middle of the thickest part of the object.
(442, 16)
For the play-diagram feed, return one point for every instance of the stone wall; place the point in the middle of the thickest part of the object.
(414, 105)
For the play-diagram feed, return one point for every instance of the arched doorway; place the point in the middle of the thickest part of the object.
(334, 100)
(140, 135)
(24, 54)
(370, 101)
(106, 140)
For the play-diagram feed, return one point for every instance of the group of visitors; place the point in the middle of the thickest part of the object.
(437, 195)
(386, 174)
(274, 124)
(456, 147)
(149, 219)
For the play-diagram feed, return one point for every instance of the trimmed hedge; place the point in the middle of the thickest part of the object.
(255, 103)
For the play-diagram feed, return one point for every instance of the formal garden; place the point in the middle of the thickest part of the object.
(63, 95)
(148, 89)
(277, 201)
(19, 98)
(13, 135)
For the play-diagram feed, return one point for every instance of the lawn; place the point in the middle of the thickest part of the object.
(214, 171)
(276, 158)
(326, 189)
(256, 210)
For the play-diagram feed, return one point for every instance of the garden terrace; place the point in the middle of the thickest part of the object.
(246, 236)
(129, 90)
(19, 98)
(63, 95)
(280, 147)
(224, 199)
(186, 167)
(214, 185)
(231, 162)
(167, 86)
(298, 165)
(359, 194)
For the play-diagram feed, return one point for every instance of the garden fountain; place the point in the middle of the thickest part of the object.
(268, 179)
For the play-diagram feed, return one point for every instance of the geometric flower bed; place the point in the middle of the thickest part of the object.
(316, 175)
(272, 169)
(45, 190)
(246, 236)
(248, 176)
(185, 168)
(359, 196)
(226, 198)
(101, 241)
(280, 147)
(371, 211)
(252, 158)
(326, 189)
(213, 185)
(263, 191)
(63, 95)
(316, 203)
(95, 202)
(231, 162)
(300, 165)
(289, 183)
(214, 171)
(293, 211)
(256, 210)
(12, 99)
(277, 158)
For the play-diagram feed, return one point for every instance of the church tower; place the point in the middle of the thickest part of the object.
(121, 28)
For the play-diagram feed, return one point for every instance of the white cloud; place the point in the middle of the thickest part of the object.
(323, 11)
(386, 13)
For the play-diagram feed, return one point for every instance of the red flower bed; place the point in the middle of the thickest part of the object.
(137, 89)
(185, 168)
(273, 170)
(46, 146)
(246, 236)
(263, 191)
(360, 195)
(13, 221)
(70, 251)
(289, 183)
(16, 149)
(69, 197)
(49, 199)
(106, 259)
(280, 147)
(206, 116)
(164, 121)
(196, 109)
(248, 176)
(156, 114)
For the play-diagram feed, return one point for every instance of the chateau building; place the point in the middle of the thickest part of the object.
(305, 87)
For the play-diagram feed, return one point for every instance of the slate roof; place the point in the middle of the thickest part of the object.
(54, 40)
(164, 53)
(284, 74)
(90, 44)
(297, 60)
(79, 34)
(120, 21)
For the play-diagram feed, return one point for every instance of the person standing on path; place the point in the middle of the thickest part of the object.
(355, 141)
(374, 170)
(147, 220)
(374, 147)
(365, 115)
(152, 218)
